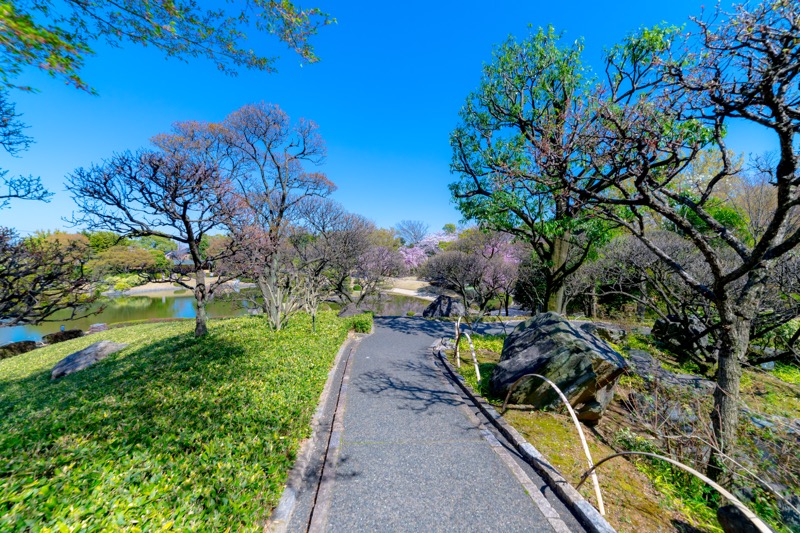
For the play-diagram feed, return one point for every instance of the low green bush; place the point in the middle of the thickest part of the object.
(172, 432)
(361, 323)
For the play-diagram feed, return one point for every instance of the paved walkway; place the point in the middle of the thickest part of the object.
(413, 456)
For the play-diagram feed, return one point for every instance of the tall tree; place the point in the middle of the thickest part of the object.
(269, 163)
(742, 65)
(411, 231)
(521, 135)
(158, 194)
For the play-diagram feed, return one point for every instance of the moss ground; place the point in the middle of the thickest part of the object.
(633, 500)
(172, 432)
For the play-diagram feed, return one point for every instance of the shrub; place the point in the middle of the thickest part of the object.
(362, 323)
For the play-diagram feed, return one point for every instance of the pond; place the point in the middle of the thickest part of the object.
(177, 304)
(164, 304)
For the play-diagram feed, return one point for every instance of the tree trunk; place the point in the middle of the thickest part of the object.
(593, 303)
(555, 279)
(555, 300)
(735, 337)
(200, 295)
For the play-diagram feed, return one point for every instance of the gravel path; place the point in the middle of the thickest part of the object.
(413, 456)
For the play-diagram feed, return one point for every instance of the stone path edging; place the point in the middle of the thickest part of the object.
(585, 512)
(320, 437)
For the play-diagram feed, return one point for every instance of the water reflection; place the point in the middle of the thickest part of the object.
(125, 309)
(181, 304)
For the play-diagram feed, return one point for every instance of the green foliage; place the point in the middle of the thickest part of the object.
(58, 39)
(100, 241)
(787, 373)
(361, 323)
(684, 491)
(173, 431)
(124, 282)
(487, 351)
(153, 242)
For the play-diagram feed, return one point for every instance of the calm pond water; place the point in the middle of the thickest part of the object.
(177, 304)
(166, 304)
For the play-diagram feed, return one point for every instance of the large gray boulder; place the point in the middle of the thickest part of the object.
(444, 306)
(85, 358)
(584, 367)
(607, 332)
(682, 337)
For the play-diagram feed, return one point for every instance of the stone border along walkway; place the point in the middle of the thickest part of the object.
(303, 484)
(588, 515)
(431, 492)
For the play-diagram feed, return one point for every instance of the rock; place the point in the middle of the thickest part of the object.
(85, 358)
(584, 367)
(97, 328)
(603, 330)
(16, 348)
(351, 309)
(733, 520)
(61, 336)
(644, 365)
(444, 306)
(678, 336)
(790, 515)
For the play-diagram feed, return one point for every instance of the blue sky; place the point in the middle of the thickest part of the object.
(386, 96)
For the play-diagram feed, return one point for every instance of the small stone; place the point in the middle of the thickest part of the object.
(605, 331)
(97, 328)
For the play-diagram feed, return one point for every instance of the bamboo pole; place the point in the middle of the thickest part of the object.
(735, 501)
(474, 357)
(564, 399)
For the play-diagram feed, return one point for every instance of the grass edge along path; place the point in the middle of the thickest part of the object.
(172, 432)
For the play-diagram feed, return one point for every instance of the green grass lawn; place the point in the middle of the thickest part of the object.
(172, 432)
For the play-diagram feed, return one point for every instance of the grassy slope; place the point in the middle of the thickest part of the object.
(170, 432)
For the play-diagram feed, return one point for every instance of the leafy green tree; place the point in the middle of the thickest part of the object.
(100, 241)
(522, 134)
(156, 243)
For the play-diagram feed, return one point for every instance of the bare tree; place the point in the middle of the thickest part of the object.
(411, 231)
(163, 195)
(265, 158)
(13, 140)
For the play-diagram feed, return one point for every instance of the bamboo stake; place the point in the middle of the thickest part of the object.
(564, 399)
(747, 512)
(458, 339)
(474, 357)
